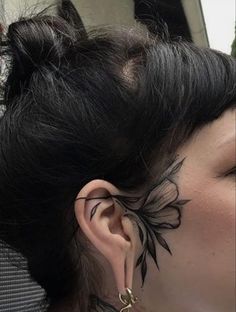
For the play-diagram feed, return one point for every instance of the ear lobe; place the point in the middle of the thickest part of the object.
(101, 219)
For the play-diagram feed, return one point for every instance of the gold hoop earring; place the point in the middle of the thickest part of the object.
(128, 299)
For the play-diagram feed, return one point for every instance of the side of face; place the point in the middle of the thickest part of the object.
(200, 274)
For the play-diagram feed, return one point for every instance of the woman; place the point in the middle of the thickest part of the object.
(117, 168)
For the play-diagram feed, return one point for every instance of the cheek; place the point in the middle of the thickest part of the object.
(207, 237)
(203, 247)
(211, 213)
(199, 276)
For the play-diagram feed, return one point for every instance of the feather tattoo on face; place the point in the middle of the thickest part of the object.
(158, 210)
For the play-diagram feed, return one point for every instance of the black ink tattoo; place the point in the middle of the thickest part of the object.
(159, 209)
(93, 211)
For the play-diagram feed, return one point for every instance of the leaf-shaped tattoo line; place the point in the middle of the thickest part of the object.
(93, 211)
(161, 197)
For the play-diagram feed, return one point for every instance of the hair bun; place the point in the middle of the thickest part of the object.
(35, 42)
(39, 40)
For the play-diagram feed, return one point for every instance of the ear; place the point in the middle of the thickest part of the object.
(101, 219)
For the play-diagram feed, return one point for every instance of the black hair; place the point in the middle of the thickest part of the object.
(80, 106)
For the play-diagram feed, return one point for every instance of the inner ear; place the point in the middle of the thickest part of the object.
(100, 198)
(109, 212)
(115, 224)
(99, 193)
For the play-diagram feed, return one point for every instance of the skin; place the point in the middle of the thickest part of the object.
(199, 276)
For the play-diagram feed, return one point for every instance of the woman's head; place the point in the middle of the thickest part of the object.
(124, 120)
